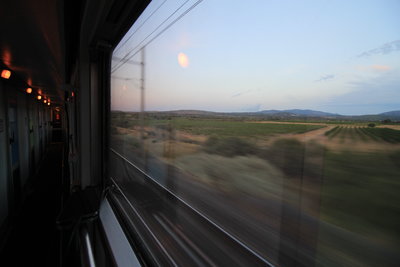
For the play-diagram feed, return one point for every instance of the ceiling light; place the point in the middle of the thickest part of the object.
(45, 101)
(39, 97)
(5, 74)
(29, 90)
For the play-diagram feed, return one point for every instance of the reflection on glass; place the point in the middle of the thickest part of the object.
(222, 112)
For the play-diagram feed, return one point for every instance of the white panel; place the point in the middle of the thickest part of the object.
(121, 249)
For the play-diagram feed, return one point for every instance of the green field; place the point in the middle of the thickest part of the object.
(352, 180)
(360, 196)
(232, 128)
(215, 126)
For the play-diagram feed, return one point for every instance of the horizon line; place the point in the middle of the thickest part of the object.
(278, 110)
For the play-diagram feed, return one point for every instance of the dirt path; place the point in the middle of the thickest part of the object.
(287, 122)
(313, 134)
(394, 127)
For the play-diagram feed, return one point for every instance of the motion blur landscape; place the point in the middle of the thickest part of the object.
(277, 121)
(313, 187)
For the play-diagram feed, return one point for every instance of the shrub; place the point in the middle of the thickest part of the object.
(133, 141)
(114, 130)
(371, 125)
(229, 146)
(286, 154)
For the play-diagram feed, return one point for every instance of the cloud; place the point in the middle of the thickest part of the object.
(326, 78)
(377, 67)
(380, 67)
(382, 50)
(237, 94)
(242, 93)
(368, 96)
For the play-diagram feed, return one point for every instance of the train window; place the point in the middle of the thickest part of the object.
(260, 132)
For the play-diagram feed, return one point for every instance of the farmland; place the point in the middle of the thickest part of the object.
(221, 127)
(365, 134)
(344, 174)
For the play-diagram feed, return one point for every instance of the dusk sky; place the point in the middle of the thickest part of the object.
(334, 56)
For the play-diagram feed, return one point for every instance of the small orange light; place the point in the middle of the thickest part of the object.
(48, 103)
(39, 91)
(39, 97)
(45, 101)
(29, 90)
(5, 74)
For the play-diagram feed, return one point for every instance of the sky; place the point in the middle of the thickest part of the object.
(238, 56)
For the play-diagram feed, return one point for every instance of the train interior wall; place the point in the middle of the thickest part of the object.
(3, 162)
(25, 132)
(68, 59)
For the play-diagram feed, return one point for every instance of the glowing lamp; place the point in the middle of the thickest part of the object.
(29, 90)
(45, 101)
(5, 74)
(72, 94)
(48, 103)
(39, 97)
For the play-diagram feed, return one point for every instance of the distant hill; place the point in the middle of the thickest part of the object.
(296, 114)
(300, 112)
(395, 113)
(392, 115)
(271, 111)
(191, 112)
(282, 113)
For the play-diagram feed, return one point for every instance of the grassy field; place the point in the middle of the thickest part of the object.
(360, 197)
(232, 128)
(353, 179)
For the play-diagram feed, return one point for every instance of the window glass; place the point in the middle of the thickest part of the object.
(254, 132)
